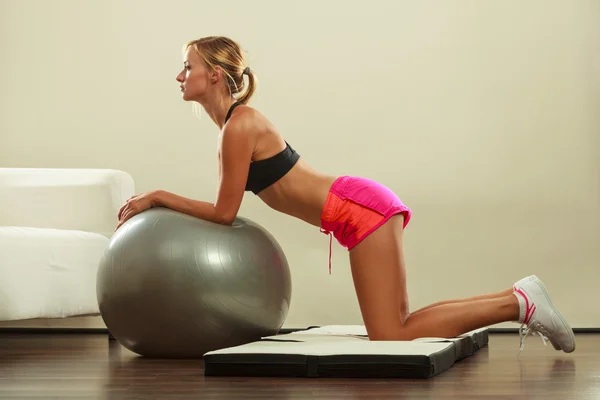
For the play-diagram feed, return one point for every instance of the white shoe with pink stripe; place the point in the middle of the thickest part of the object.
(539, 316)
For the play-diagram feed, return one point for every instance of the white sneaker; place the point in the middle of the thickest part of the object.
(520, 282)
(540, 316)
(518, 285)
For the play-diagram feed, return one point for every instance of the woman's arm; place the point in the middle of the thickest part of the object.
(237, 146)
(195, 208)
(234, 163)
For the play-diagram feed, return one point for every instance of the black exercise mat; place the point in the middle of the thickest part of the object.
(342, 352)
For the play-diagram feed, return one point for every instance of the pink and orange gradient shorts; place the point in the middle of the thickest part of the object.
(356, 207)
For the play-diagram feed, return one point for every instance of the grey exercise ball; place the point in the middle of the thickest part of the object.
(174, 286)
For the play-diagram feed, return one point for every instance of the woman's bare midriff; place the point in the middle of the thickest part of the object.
(301, 193)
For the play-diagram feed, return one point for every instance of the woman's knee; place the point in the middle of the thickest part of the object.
(398, 332)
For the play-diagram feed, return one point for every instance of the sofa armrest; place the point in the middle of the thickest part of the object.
(61, 198)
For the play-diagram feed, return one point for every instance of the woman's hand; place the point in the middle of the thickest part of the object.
(135, 205)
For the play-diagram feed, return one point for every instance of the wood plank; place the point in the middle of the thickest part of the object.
(88, 365)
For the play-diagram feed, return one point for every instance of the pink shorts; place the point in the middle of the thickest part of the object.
(356, 207)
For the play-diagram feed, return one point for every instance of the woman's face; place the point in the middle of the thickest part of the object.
(194, 79)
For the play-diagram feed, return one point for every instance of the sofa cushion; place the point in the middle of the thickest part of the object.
(48, 273)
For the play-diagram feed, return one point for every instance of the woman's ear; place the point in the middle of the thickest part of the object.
(216, 74)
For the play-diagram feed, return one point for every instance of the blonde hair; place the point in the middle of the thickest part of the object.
(227, 54)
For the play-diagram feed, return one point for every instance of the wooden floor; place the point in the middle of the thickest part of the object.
(82, 366)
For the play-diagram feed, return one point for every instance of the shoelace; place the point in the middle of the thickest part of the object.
(535, 328)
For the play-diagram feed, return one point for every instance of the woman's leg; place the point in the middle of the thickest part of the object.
(496, 295)
(379, 275)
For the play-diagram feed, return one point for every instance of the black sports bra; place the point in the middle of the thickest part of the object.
(264, 173)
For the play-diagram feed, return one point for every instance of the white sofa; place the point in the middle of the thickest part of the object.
(55, 224)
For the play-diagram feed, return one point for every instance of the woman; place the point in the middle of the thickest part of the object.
(364, 216)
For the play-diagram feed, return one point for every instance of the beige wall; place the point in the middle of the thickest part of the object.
(484, 116)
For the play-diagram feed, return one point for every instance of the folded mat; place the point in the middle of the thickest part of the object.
(342, 351)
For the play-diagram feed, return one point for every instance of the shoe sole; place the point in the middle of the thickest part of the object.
(562, 319)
